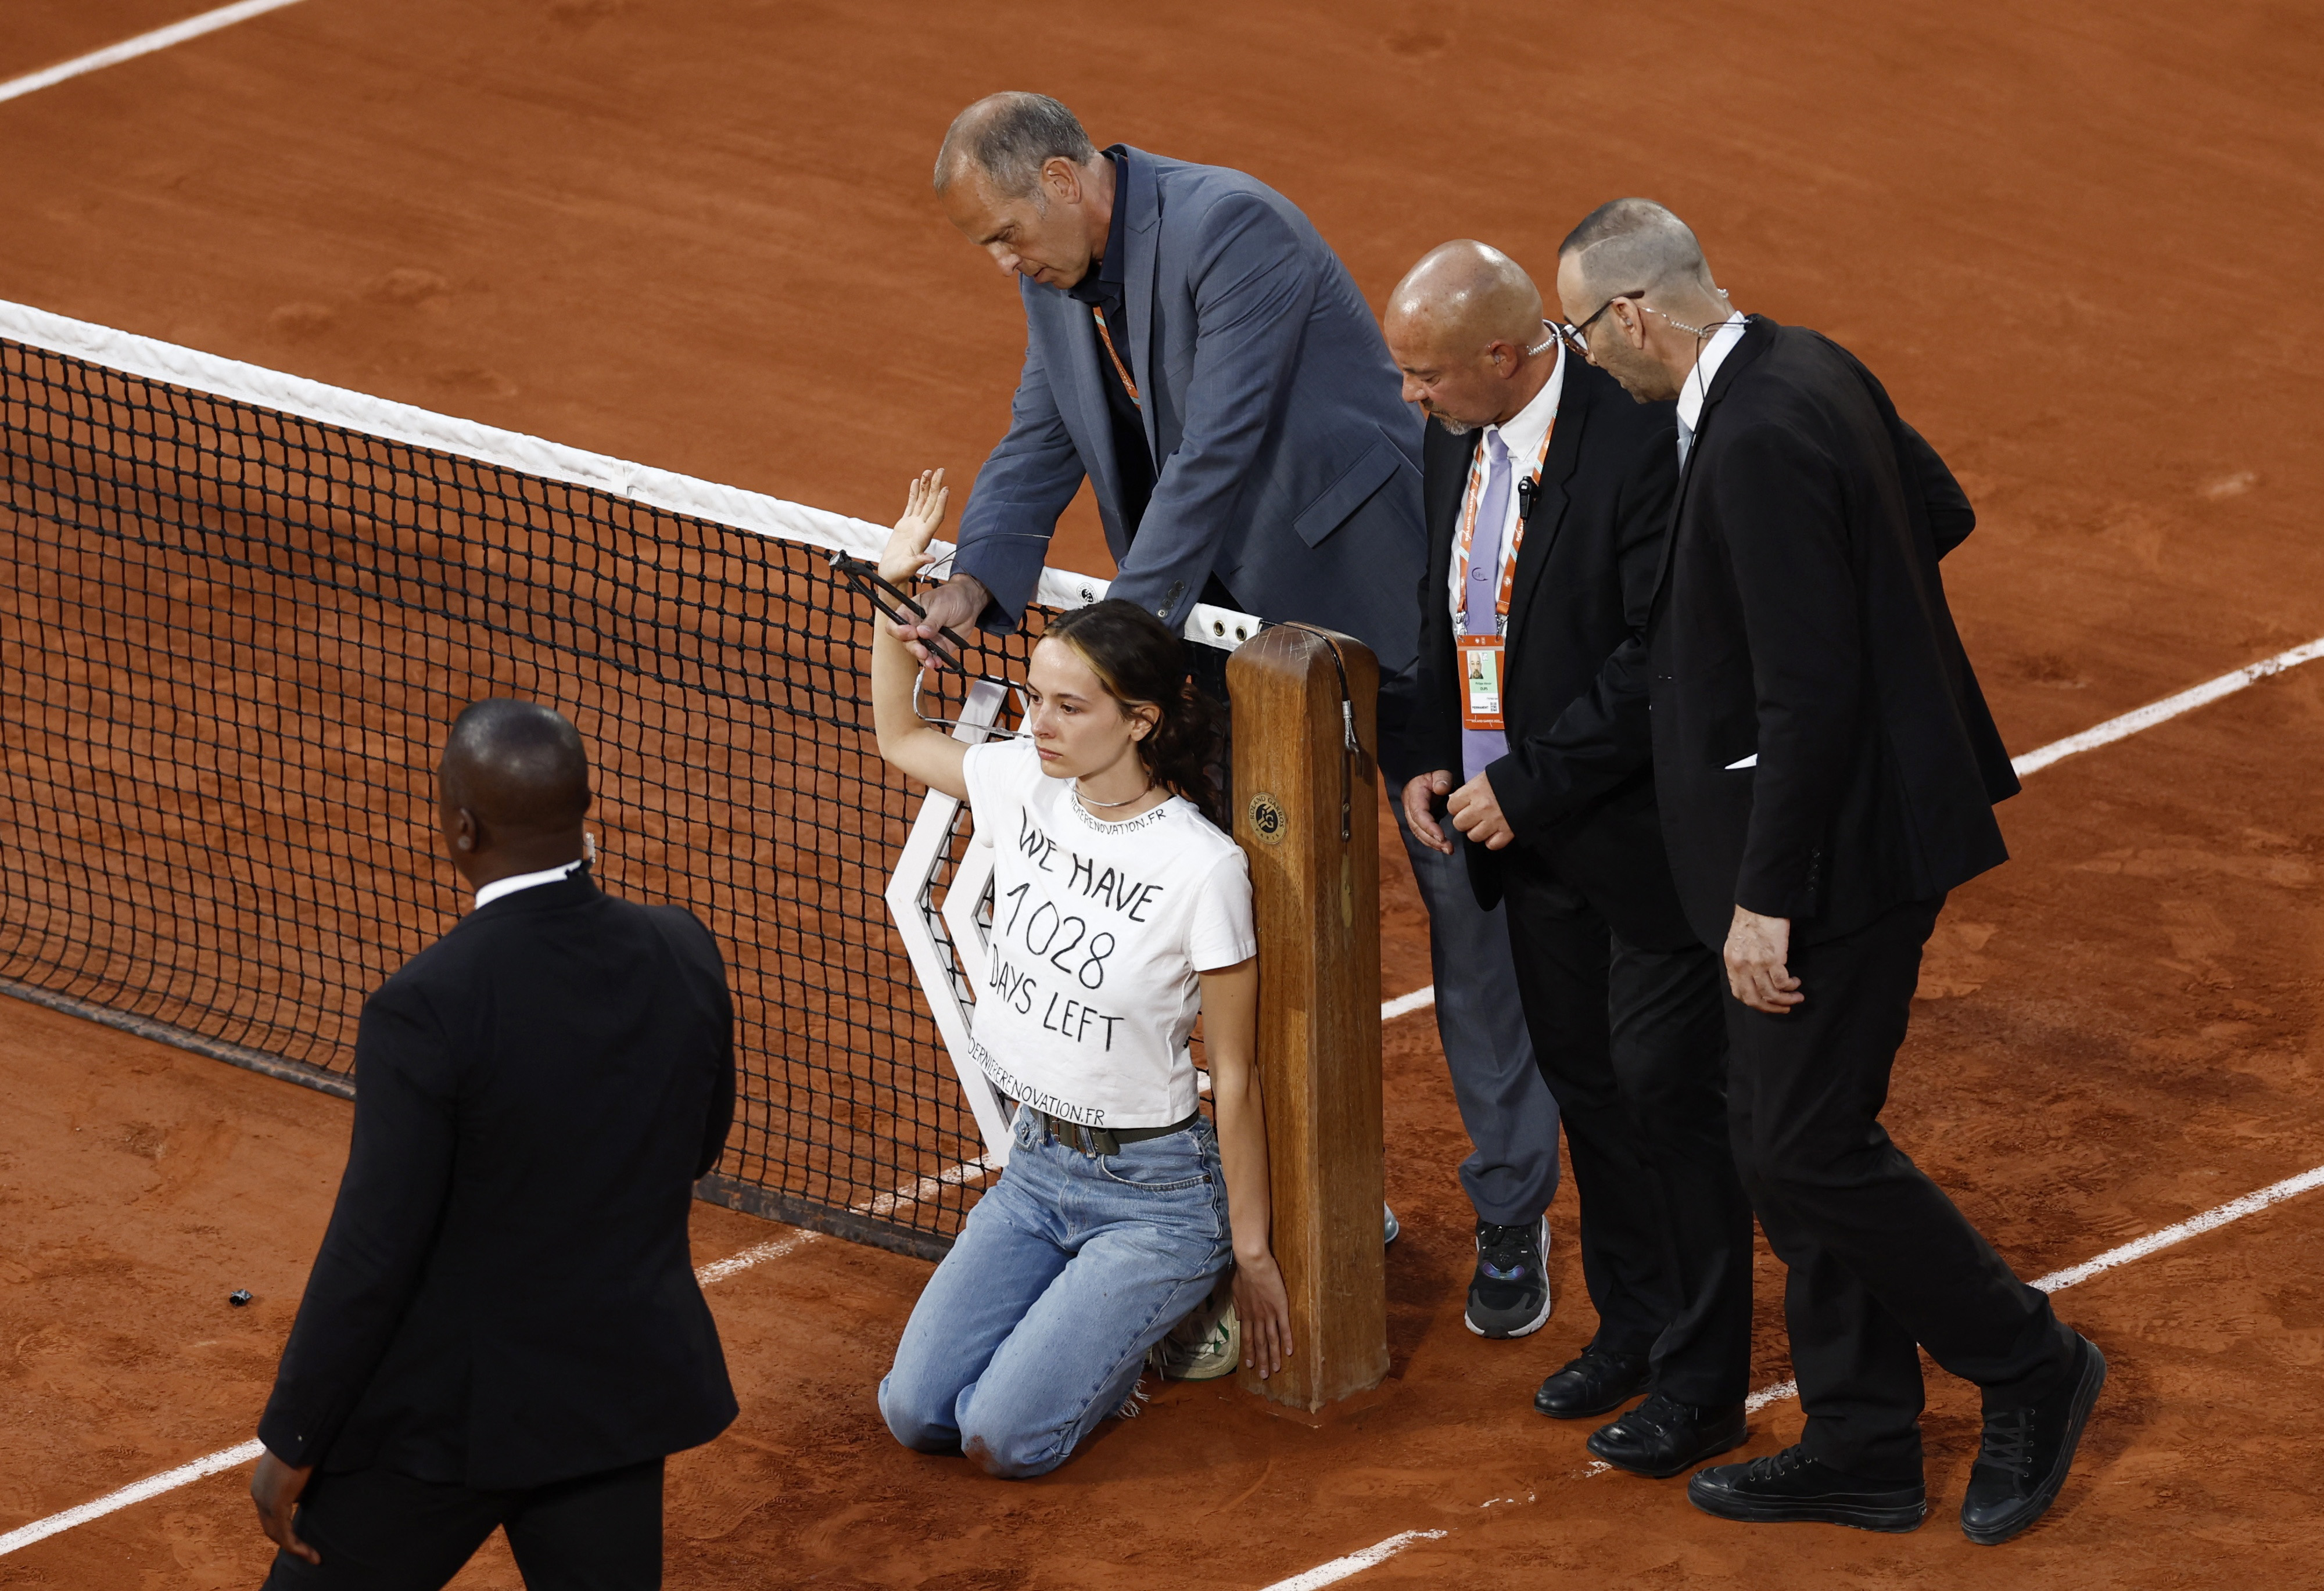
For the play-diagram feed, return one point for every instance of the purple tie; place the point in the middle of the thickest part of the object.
(1480, 598)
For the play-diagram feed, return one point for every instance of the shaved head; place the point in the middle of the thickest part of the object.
(1635, 245)
(1464, 328)
(1468, 293)
(518, 766)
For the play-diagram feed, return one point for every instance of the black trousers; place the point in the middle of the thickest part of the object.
(378, 1531)
(1879, 1259)
(1633, 1043)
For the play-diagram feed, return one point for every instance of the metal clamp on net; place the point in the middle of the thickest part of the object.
(864, 578)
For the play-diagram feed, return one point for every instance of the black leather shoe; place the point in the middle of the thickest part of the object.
(1790, 1486)
(2027, 1451)
(1594, 1383)
(1661, 1435)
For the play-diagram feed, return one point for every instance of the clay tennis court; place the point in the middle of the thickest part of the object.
(2074, 241)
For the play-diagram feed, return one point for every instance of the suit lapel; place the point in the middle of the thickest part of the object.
(1575, 403)
(1756, 341)
(1445, 475)
(1446, 487)
(1144, 215)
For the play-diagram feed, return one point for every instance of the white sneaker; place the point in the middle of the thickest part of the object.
(1204, 1347)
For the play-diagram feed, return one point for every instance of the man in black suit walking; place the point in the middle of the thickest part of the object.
(502, 1327)
(1828, 771)
(1548, 496)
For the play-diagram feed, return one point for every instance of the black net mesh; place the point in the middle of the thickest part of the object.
(230, 643)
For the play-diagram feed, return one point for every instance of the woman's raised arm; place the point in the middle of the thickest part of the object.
(912, 746)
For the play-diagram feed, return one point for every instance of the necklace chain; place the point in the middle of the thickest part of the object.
(1110, 806)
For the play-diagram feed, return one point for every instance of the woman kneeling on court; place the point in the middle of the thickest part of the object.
(1120, 912)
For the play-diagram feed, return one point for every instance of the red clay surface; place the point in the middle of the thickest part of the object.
(2069, 236)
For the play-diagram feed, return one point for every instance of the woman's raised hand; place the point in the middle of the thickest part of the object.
(1264, 1308)
(907, 553)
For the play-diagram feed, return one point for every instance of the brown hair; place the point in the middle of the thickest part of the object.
(1142, 665)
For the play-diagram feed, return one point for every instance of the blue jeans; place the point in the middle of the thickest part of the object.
(1070, 1267)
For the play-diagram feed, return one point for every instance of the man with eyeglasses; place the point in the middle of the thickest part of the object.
(1827, 769)
(1548, 495)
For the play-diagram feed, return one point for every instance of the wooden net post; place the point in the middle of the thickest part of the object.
(1306, 813)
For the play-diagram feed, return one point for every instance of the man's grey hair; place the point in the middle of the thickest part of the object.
(1636, 245)
(1009, 138)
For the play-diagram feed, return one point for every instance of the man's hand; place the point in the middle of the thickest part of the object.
(1477, 813)
(275, 1489)
(954, 606)
(1420, 795)
(1757, 949)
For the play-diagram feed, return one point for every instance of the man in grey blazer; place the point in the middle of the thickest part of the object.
(1202, 355)
(1198, 353)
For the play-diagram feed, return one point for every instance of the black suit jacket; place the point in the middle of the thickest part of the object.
(1801, 619)
(505, 1296)
(1577, 785)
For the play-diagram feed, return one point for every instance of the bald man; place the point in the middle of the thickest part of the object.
(502, 1328)
(1547, 493)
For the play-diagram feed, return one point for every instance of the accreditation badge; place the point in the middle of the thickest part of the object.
(1480, 681)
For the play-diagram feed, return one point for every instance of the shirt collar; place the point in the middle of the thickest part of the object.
(1696, 388)
(1527, 428)
(1107, 274)
(510, 885)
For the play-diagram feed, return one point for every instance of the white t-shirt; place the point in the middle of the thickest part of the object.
(1099, 931)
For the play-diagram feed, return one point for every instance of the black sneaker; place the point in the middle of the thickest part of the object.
(1510, 1294)
(1790, 1486)
(2027, 1451)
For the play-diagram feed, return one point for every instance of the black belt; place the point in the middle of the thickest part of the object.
(1103, 1140)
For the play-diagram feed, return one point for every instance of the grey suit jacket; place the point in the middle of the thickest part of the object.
(1287, 461)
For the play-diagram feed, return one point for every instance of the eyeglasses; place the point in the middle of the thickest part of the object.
(1577, 336)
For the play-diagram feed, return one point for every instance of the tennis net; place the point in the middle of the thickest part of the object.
(238, 611)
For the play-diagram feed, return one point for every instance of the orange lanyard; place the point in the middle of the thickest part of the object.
(1472, 500)
(1120, 369)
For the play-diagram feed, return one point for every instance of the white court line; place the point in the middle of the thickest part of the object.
(2042, 757)
(150, 1486)
(193, 27)
(716, 1271)
(881, 1204)
(2234, 1209)
(757, 1253)
(1354, 1563)
(1404, 1005)
(2154, 712)
(1339, 1568)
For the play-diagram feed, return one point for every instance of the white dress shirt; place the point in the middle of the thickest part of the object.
(510, 885)
(1522, 436)
(1696, 388)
